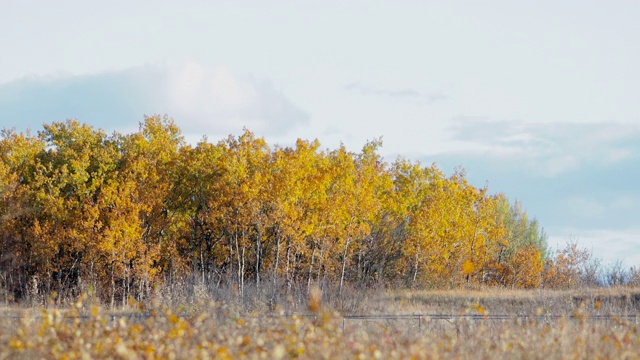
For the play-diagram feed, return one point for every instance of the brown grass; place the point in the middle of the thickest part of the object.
(223, 329)
(498, 301)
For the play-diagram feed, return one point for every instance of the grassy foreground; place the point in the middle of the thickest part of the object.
(218, 330)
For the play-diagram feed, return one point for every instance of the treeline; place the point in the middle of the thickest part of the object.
(121, 213)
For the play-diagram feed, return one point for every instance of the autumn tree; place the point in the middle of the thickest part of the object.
(146, 186)
(566, 268)
(520, 230)
(119, 213)
(412, 187)
(527, 268)
(22, 257)
(196, 195)
(301, 179)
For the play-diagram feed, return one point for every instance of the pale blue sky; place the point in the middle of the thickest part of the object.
(538, 99)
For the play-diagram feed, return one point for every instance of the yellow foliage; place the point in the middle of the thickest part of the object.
(468, 267)
(119, 213)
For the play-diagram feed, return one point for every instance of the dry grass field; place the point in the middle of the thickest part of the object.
(453, 324)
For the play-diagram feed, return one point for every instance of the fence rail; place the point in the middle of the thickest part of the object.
(417, 317)
(488, 316)
(420, 318)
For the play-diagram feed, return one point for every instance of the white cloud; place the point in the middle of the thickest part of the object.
(568, 175)
(215, 99)
(605, 244)
(202, 99)
(548, 149)
(194, 86)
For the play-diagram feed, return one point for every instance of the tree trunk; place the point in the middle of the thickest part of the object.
(344, 264)
(113, 284)
(230, 258)
(275, 266)
(287, 276)
(415, 271)
(239, 260)
(242, 276)
(313, 255)
(258, 260)
(202, 262)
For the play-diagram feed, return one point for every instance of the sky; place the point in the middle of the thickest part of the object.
(539, 100)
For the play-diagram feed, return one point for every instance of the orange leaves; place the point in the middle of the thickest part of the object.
(451, 226)
(468, 267)
(527, 268)
(124, 210)
(564, 271)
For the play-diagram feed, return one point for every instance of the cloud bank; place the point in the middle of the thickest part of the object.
(581, 176)
(605, 244)
(202, 99)
(549, 148)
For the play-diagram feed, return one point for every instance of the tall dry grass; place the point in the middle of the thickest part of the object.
(200, 320)
(220, 332)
